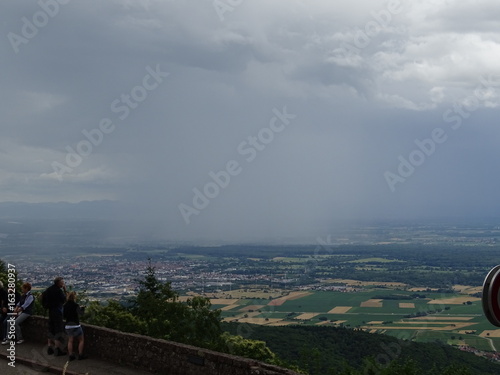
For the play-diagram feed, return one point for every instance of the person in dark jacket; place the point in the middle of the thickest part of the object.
(72, 312)
(23, 309)
(3, 304)
(56, 297)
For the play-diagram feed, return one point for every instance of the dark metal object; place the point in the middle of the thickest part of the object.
(491, 296)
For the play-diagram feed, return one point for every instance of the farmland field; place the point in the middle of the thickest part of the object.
(452, 318)
(418, 292)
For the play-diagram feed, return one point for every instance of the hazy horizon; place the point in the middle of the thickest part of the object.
(253, 120)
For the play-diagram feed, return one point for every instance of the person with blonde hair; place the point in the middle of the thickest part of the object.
(72, 312)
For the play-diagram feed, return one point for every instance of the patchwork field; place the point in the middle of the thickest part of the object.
(451, 318)
(251, 307)
(228, 307)
(292, 296)
(455, 301)
(247, 294)
(406, 305)
(490, 333)
(223, 301)
(306, 316)
(467, 289)
(442, 318)
(358, 283)
(340, 310)
(372, 303)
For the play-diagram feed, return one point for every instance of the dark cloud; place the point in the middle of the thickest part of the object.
(358, 110)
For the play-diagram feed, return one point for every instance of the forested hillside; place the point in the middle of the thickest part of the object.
(329, 350)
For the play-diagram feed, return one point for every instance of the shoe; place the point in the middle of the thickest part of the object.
(81, 356)
(5, 342)
(50, 350)
(19, 341)
(59, 352)
(72, 357)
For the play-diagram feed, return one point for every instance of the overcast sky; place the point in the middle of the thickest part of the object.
(315, 111)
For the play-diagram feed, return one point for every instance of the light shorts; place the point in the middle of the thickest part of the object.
(74, 332)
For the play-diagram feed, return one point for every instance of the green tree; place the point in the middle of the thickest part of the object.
(199, 323)
(115, 316)
(456, 370)
(4, 276)
(155, 304)
(3, 273)
(191, 322)
(255, 349)
(237, 345)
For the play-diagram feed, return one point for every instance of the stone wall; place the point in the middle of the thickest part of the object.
(154, 355)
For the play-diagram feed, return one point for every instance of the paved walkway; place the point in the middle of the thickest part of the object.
(33, 359)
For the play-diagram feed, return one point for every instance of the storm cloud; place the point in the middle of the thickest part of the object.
(176, 109)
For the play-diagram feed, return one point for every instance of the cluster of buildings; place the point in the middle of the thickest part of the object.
(115, 276)
(494, 356)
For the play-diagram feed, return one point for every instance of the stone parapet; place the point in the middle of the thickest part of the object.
(155, 355)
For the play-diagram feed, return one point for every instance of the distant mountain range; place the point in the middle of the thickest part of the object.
(102, 209)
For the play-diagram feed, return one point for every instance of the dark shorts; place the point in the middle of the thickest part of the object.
(56, 325)
(74, 332)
